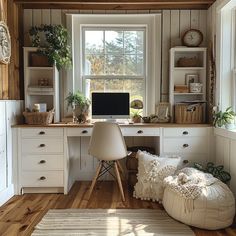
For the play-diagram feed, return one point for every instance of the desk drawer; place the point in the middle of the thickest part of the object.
(44, 145)
(79, 131)
(42, 162)
(42, 179)
(140, 131)
(185, 132)
(41, 132)
(185, 145)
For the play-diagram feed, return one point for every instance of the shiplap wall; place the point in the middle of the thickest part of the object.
(174, 24)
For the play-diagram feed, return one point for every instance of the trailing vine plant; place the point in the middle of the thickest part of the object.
(55, 47)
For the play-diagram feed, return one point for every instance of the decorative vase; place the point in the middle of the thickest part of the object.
(81, 113)
(230, 126)
(136, 119)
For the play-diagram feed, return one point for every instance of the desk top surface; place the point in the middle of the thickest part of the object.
(84, 125)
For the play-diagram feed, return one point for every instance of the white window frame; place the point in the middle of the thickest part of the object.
(225, 55)
(152, 22)
(142, 77)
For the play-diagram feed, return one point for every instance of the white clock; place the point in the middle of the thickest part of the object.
(192, 38)
(5, 43)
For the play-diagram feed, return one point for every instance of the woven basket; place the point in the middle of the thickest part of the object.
(37, 59)
(188, 62)
(189, 113)
(39, 118)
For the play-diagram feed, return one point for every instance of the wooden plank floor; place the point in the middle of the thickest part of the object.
(21, 213)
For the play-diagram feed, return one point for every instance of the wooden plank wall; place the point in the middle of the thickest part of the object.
(174, 24)
(10, 84)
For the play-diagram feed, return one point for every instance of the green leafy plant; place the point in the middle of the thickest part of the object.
(136, 113)
(77, 99)
(80, 106)
(55, 47)
(216, 171)
(223, 118)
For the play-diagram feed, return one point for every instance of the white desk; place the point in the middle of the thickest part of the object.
(50, 158)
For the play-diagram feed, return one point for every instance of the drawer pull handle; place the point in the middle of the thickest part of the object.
(42, 145)
(42, 178)
(140, 132)
(42, 162)
(41, 132)
(185, 145)
(185, 133)
(84, 131)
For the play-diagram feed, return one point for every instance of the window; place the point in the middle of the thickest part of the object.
(113, 59)
(116, 52)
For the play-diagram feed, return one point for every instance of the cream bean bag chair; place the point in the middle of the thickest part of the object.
(198, 199)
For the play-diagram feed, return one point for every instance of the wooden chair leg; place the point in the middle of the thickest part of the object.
(94, 180)
(119, 181)
(121, 170)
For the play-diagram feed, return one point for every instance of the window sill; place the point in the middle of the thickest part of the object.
(225, 133)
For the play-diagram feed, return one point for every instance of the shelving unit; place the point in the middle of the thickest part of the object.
(36, 93)
(178, 75)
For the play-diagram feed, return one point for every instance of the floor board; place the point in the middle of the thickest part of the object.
(21, 213)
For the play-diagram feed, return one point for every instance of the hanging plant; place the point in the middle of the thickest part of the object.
(55, 47)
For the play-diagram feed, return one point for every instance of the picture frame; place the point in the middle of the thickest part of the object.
(162, 111)
(191, 78)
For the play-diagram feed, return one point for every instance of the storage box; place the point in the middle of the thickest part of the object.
(189, 113)
(181, 88)
(38, 60)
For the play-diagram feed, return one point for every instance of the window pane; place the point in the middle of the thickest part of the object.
(134, 65)
(94, 65)
(114, 65)
(135, 87)
(133, 41)
(94, 42)
(114, 42)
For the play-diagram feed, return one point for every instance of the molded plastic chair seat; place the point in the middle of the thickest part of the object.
(108, 146)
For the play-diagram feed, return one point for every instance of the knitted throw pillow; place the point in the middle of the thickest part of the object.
(152, 170)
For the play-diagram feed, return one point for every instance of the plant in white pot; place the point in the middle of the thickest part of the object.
(225, 118)
(80, 106)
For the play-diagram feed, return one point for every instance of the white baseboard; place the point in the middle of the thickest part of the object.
(6, 194)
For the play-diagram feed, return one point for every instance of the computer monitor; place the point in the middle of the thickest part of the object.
(110, 105)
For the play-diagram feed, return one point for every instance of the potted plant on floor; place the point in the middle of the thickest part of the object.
(80, 106)
(225, 118)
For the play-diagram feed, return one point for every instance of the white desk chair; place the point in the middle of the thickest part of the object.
(108, 146)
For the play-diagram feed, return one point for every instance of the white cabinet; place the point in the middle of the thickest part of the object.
(225, 146)
(10, 114)
(41, 84)
(3, 149)
(180, 74)
(191, 143)
(41, 158)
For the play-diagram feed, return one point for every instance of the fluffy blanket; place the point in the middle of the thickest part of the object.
(189, 184)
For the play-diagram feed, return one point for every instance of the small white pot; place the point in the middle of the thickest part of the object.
(230, 126)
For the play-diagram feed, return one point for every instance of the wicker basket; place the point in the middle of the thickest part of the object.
(39, 118)
(189, 113)
(38, 60)
(188, 62)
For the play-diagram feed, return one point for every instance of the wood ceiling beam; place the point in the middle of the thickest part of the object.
(116, 4)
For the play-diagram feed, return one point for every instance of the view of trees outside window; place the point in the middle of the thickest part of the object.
(114, 60)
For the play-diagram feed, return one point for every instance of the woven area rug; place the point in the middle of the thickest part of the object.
(109, 222)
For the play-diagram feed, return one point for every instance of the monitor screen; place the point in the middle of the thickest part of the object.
(110, 105)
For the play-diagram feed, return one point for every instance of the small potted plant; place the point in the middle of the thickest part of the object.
(136, 110)
(80, 106)
(224, 118)
(136, 116)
